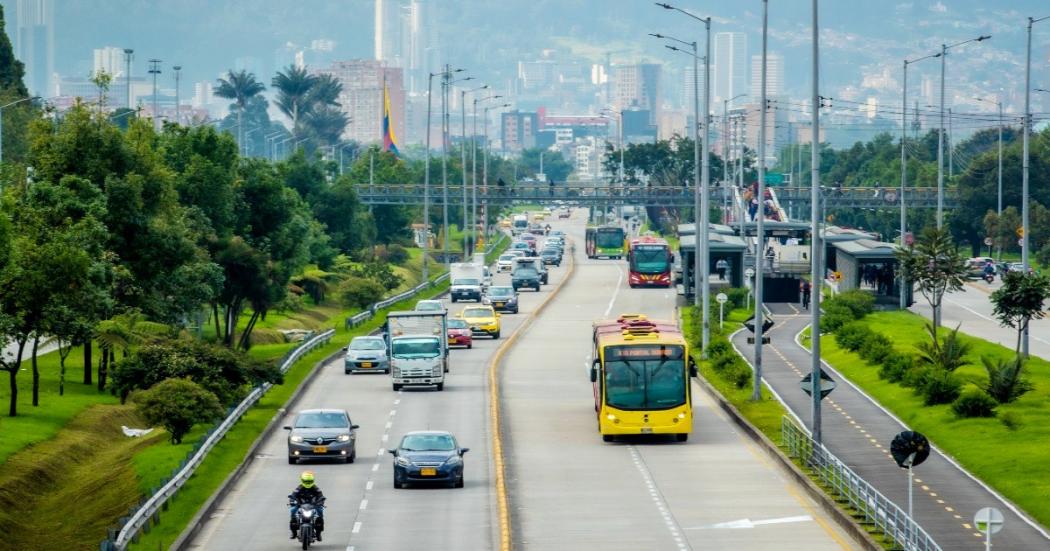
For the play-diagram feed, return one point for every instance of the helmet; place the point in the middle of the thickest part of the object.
(307, 479)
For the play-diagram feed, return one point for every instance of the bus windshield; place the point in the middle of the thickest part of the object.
(609, 238)
(645, 377)
(649, 259)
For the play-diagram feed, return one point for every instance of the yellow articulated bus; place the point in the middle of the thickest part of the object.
(641, 376)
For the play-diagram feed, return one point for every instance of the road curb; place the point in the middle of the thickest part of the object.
(829, 505)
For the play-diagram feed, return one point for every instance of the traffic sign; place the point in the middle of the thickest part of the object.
(1020, 231)
(766, 324)
(749, 273)
(1020, 242)
(774, 178)
(909, 239)
(721, 298)
(988, 241)
(909, 449)
(827, 384)
(988, 520)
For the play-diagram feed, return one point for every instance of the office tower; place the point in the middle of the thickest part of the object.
(111, 60)
(362, 97)
(35, 43)
(730, 67)
(774, 76)
(637, 87)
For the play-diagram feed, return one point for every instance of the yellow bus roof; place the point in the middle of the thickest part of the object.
(636, 329)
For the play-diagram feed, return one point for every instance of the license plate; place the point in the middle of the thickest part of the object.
(428, 472)
(500, 304)
(366, 364)
(320, 449)
(647, 430)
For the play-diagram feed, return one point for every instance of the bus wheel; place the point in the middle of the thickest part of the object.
(607, 438)
(681, 437)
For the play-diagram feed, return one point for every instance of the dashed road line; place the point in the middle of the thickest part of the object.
(661, 504)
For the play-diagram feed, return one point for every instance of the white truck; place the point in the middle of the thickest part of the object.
(467, 281)
(486, 279)
(520, 224)
(417, 345)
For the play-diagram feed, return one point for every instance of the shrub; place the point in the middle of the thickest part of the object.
(940, 387)
(724, 362)
(737, 298)
(396, 254)
(1010, 420)
(895, 366)
(360, 292)
(974, 402)
(835, 316)
(1005, 379)
(875, 348)
(859, 303)
(381, 272)
(718, 348)
(739, 374)
(947, 354)
(852, 335)
(177, 405)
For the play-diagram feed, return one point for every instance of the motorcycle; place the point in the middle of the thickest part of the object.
(308, 518)
(988, 278)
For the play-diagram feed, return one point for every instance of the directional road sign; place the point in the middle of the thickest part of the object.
(989, 519)
(774, 178)
(827, 384)
(766, 324)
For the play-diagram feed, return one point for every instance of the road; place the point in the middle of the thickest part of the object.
(972, 310)
(364, 512)
(569, 490)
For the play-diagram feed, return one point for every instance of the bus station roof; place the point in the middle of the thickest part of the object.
(718, 242)
(868, 248)
(690, 229)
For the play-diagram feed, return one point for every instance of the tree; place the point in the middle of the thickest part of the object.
(177, 405)
(1019, 301)
(293, 87)
(934, 264)
(948, 354)
(346, 220)
(1006, 381)
(554, 164)
(240, 87)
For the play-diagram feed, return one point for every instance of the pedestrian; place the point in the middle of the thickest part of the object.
(805, 294)
(721, 266)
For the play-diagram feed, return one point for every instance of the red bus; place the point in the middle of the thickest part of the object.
(649, 262)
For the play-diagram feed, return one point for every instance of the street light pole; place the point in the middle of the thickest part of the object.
(127, 73)
(463, 164)
(178, 74)
(1026, 239)
(426, 181)
(154, 69)
(998, 103)
(816, 254)
(756, 391)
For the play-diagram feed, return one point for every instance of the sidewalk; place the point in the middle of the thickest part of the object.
(859, 433)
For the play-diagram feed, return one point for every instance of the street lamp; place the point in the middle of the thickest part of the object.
(619, 124)
(904, 162)
(178, 76)
(485, 159)
(940, 136)
(463, 163)
(474, 168)
(725, 144)
(999, 203)
(1026, 240)
(446, 132)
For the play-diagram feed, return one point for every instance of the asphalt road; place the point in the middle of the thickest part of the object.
(569, 490)
(364, 512)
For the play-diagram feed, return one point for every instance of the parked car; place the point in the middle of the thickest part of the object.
(502, 298)
(428, 457)
(557, 233)
(525, 276)
(429, 306)
(459, 333)
(322, 434)
(366, 354)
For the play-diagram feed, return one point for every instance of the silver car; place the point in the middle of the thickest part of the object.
(322, 434)
(366, 354)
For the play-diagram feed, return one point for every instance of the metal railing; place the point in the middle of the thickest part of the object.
(870, 507)
(141, 518)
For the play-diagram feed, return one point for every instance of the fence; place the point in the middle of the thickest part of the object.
(149, 511)
(871, 507)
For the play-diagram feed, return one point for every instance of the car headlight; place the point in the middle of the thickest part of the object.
(296, 439)
(343, 438)
(455, 459)
(404, 462)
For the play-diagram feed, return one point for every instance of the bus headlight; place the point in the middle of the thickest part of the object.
(612, 418)
(681, 415)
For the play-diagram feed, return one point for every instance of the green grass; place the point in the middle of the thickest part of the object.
(1015, 461)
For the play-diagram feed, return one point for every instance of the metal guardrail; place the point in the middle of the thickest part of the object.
(873, 508)
(150, 510)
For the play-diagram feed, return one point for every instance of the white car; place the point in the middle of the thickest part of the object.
(505, 263)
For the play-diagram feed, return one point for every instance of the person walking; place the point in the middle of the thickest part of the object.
(806, 289)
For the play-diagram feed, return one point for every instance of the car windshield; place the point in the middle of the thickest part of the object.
(416, 348)
(321, 420)
(521, 245)
(367, 344)
(649, 377)
(477, 313)
(508, 257)
(501, 292)
(457, 324)
(428, 442)
(549, 252)
(525, 271)
(467, 281)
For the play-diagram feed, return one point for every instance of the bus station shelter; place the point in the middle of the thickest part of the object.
(728, 247)
(871, 266)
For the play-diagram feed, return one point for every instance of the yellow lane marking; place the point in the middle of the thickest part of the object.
(495, 414)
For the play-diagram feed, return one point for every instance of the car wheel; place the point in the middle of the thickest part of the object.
(347, 371)
(607, 438)
(469, 346)
(353, 455)
(495, 335)
(292, 460)
(397, 387)
(397, 484)
(453, 300)
(440, 387)
(459, 482)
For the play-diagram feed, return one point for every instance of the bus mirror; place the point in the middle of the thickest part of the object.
(692, 368)
(594, 371)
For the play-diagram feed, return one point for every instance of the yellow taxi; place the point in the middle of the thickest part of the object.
(538, 216)
(505, 223)
(482, 319)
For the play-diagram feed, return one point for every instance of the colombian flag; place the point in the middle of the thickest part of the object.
(389, 139)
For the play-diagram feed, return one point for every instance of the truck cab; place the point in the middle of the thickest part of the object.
(467, 281)
(417, 346)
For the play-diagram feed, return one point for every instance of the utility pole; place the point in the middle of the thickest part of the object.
(426, 182)
(178, 74)
(446, 82)
(816, 255)
(951, 147)
(760, 241)
(1026, 129)
(154, 69)
(127, 73)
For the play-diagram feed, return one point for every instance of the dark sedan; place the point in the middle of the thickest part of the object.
(428, 457)
(322, 434)
(502, 299)
(551, 256)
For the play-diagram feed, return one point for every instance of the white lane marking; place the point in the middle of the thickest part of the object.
(398, 401)
(368, 486)
(375, 467)
(658, 500)
(381, 451)
(349, 548)
(986, 318)
(389, 424)
(393, 412)
(616, 292)
(385, 437)
(364, 504)
(748, 523)
(357, 528)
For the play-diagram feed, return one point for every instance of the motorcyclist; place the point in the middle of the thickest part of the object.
(547, 230)
(989, 271)
(306, 492)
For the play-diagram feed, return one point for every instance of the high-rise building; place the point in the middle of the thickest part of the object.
(405, 37)
(362, 97)
(386, 27)
(637, 87)
(687, 87)
(35, 43)
(518, 130)
(731, 67)
(774, 76)
(111, 60)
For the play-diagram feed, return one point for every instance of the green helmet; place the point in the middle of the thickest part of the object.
(307, 479)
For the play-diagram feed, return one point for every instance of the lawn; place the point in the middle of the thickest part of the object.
(1014, 459)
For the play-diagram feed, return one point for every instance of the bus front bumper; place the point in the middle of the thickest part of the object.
(673, 421)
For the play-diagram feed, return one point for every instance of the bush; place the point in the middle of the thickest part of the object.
(859, 303)
(852, 335)
(719, 348)
(1010, 420)
(739, 374)
(947, 354)
(396, 254)
(725, 362)
(939, 387)
(737, 298)
(834, 317)
(895, 366)
(1005, 379)
(381, 272)
(360, 292)
(974, 402)
(875, 348)
(177, 405)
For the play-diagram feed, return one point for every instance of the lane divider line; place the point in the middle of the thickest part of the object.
(495, 418)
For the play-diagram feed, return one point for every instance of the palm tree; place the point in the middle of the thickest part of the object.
(294, 87)
(122, 331)
(239, 86)
(326, 124)
(326, 90)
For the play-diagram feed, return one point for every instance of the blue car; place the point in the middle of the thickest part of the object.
(428, 457)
